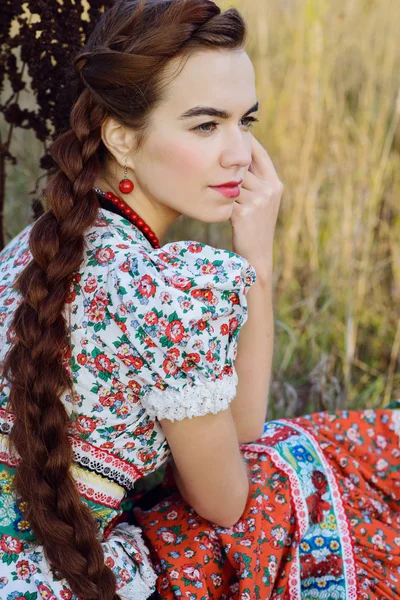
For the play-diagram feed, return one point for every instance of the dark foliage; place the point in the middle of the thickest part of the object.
(44, 49)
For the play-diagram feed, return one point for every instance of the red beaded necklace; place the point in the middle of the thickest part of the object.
(132, 216)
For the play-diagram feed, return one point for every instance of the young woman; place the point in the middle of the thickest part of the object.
(120, 355)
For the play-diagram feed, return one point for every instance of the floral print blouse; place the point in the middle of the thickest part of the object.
(152, 335)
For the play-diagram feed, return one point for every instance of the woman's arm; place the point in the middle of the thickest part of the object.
(254, 361)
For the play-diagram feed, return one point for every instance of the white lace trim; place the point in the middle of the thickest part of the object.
(143, 584)
(192, 400)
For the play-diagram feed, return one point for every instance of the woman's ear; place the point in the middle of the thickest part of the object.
(119, 141)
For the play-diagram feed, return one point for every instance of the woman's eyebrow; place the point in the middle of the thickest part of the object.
(213, 112)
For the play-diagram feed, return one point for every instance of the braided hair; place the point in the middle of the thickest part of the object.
(119, 73)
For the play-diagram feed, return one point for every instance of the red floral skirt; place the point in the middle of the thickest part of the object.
(322, 518)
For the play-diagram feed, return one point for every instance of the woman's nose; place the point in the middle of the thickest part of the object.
(237, 150)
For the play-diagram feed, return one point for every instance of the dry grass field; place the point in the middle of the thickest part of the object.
(328, 80)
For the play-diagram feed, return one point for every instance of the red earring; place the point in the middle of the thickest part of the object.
(126, 185)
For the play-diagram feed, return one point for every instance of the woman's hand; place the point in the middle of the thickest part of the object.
(255, 212)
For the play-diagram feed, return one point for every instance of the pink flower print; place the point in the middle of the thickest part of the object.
(165, 297)
(180, 282)
(382, 464)
(381, 442)
(171, 516)
(353, 434)
(168, 537)
(191, 573)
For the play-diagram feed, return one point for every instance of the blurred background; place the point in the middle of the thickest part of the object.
(328, 82)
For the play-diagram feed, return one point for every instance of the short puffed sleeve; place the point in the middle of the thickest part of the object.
(184, 305)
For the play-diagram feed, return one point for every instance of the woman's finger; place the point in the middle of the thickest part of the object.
(261, 165)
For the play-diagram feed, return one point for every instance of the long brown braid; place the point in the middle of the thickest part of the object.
(124, 58)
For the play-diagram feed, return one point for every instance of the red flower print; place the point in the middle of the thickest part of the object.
(234, 298)
(66, 594)
(146, 286)
(180, 282)
(233, 325)
(96, 312)
(196, 293)
(23, 259)
(209, 297)
(103, 363)
(46, 592)
(227, 370)
(210, 357)
(111, 399)
(102, 297)
(134, 386)
(137, 363)
(10, 545)
(307, 562)
(22, 568)
(193, 357)
(208, 269)
(104, 255)
(224, 329)
(151, 318)
(201, 324)
(175, 331)
(70, 298)
(81, 359)
(124, 575)
(109, 562)
(169, 367)
(124, 267)
(85, 424)
(173, 353)
(91, 284)
(195, 248)
(319, 481)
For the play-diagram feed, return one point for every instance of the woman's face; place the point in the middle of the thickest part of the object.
(177, 164)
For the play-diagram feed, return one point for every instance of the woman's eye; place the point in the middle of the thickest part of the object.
(249, 121)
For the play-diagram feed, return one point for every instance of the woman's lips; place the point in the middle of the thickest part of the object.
(230, 191)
